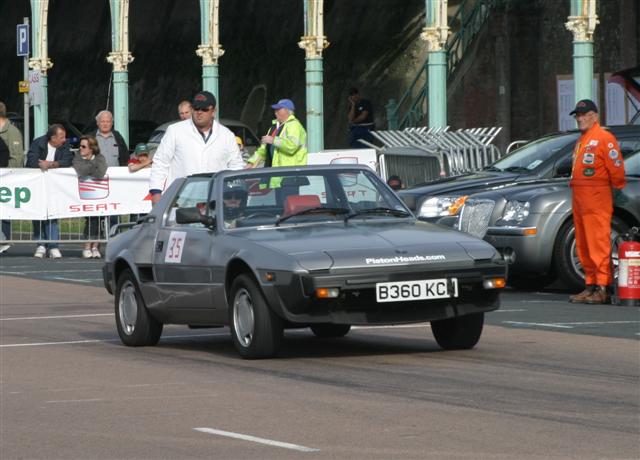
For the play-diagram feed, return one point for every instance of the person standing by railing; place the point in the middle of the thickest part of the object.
(360, 116)
(90, 164)
(49, 152)
(11, 156)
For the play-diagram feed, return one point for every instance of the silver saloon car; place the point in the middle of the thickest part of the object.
(324, 247)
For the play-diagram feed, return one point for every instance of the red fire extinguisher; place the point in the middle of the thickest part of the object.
(629, 269)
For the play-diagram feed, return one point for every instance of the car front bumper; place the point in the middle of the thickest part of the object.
(293, 296)
(529, 254)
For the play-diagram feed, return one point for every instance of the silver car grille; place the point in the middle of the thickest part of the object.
(475, 216)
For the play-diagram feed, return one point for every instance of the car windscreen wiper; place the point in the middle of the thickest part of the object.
(492, 168)
(516, 169)
(380, 210)
(316, 210)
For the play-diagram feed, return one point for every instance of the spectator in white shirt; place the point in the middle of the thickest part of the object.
(196, 145)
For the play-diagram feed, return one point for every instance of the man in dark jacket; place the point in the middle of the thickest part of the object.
(111, 143)
(49, 152)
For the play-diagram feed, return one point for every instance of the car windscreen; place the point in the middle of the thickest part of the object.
(532, 155)
(270, 197)
(632, 164)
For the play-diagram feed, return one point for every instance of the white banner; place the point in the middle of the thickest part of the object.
(58, 193)
(22, 194)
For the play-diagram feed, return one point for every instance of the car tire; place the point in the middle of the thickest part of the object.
(256, 330)
(325, 331)
(567, 264)
(459, 333)
(136, 327)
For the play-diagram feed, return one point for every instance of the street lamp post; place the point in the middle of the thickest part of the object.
(210, 50)
(582, 24)
(435, 34)
(313, 42)
(41, 62)
(120, 58)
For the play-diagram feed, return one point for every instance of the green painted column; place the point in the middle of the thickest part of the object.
(435, 34)
(40, 61)
(437, 89)
(120, 57)
(313, 42)
(210, 50)
(582, 24)
(315, 106)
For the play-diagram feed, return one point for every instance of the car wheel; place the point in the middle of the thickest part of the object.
(136, 327)
(459, 333)
(565, 255)
(256, 330)
(330, 330)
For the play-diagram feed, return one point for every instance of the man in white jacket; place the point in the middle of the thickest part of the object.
(197, 145)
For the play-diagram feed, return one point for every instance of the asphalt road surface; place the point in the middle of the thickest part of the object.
(548, 380)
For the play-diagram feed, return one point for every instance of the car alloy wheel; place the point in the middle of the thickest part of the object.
(128, 308)
(243, 318)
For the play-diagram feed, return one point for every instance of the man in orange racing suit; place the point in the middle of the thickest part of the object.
(597, 166)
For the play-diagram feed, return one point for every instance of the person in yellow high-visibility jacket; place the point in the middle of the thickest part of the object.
(285, 144)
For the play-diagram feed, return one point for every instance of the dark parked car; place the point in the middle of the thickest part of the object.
(323, 247)
(544, 158)
(532, 223)
(73, 129)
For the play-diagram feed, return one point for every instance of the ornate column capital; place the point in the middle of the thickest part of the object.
(120, 60)
(436, 37)
(313, 46)
(582, 27)
(210, 54)
(41, 64)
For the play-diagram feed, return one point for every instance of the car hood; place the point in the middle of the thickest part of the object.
(529, 190)
(466, 184)
(319, 247)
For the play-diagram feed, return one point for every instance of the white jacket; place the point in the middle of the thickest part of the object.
(183, 151)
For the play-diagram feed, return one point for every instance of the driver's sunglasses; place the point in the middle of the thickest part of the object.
(233, 195)
(196, 109)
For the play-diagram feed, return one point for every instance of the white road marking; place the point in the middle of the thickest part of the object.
(62, 401)
(70, 279)
(24, 272)
(75, 342)
(569, 325)
(19, 318)
(246, 437)
(508, 311)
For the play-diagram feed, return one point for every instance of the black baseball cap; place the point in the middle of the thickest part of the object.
(203, 100)
(584, 106)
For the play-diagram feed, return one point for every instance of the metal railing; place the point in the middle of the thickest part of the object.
(466, 23)
(421, 154)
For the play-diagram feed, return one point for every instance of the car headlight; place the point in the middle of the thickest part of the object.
(438, 206)
(516, 211)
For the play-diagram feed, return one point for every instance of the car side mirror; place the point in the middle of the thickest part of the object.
(194, 216)
(563, 167)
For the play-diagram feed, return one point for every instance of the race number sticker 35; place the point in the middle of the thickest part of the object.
(175, 246)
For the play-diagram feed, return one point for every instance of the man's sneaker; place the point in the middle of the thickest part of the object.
(96, 253)
(4, 247)
(54, 253)
(41, 251)
(579, 298)
(87, 254)
(598, 296)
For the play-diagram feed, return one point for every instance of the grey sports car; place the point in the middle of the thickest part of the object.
(324, 247)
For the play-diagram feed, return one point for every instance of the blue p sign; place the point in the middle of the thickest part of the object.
(22, 39)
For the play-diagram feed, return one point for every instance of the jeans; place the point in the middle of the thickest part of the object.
(46, 230)
(6, 230)
(359, 132)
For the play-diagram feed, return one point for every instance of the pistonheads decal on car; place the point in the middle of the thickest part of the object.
(175, 247)
(402, 259)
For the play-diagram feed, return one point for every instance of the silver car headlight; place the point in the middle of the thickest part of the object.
(438, 206)
(516, 211)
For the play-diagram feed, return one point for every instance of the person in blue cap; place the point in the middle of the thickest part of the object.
(285, 144)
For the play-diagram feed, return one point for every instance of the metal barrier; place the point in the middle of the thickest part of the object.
(69, 230)
(422, 154)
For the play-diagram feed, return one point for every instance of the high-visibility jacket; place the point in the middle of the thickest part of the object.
(289, 146)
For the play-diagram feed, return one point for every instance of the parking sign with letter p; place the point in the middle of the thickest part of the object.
(22, 39)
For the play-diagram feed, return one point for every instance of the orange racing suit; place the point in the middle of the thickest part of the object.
(597, 166)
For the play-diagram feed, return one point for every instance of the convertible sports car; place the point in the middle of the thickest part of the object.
(323, 247)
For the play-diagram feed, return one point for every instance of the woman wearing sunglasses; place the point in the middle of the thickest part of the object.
(90, 164)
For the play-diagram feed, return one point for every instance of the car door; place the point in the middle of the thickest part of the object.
(182, 256)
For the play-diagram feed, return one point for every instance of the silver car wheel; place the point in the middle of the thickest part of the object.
(128, 308)
(243, 317)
